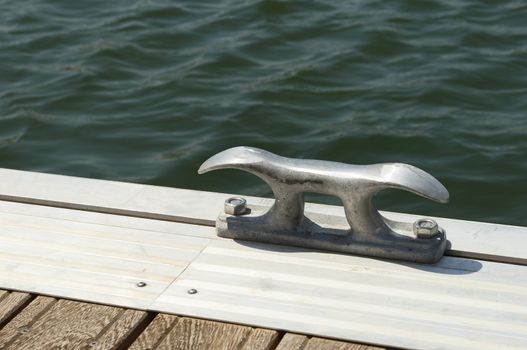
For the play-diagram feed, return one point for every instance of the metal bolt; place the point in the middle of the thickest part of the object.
(235, 206)
(425, 228)
(23, 329)
(141, 284)
(192, 291)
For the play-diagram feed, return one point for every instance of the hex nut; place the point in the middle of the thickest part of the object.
(425, 228)
(235, 206)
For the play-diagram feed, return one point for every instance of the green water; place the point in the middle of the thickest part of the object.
(144, 91)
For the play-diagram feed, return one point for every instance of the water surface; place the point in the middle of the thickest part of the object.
(144, 91)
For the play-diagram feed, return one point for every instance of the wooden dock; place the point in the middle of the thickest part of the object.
(107, 265)
(29, 321)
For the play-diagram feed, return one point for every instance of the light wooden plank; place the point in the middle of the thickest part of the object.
(10, 303)
(89, 261)
(81, 286)
(456, 303)
(119, 254)
(23, 321)
(469, 239)
(102, 219)
(73, 325)
(93, 195)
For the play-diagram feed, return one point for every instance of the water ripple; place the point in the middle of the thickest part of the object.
(145, 90)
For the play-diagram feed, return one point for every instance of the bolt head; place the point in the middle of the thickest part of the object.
(141, 284)
(192, 291)
(426, 228)
(235, 206)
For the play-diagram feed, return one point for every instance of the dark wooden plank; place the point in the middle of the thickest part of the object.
(155, 332)
(120, 330)
(292, 341)
(20, 324)
(11, 303)
(45, 323)
(74, 325)
(198, 334)
(172, 332)
(328, 344)
(261, 339)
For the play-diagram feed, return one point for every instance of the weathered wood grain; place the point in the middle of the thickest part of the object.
(328, 344)
(20, 324)
(48, 323)
(120, 330)
(172, 332)
(155, 332)
(261, 339)
(292, 341)
(10, 303)
(75, 325)
(197, 334)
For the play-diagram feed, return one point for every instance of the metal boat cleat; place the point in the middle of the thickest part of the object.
(368, 234)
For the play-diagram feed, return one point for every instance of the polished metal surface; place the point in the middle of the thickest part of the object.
(368, 234)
